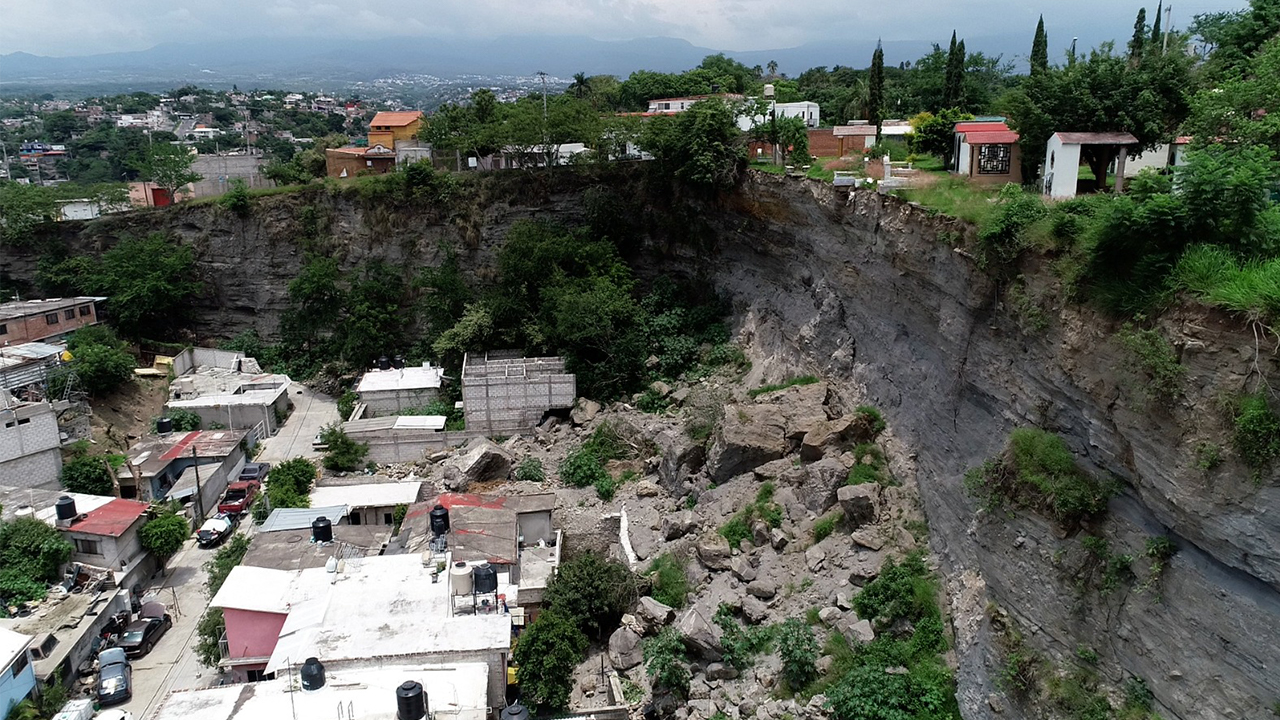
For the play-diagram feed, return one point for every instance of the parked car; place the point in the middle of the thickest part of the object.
(115, 677)
(318, 444)
(114, 714)
(239, 497)
(215, 530)
(255, 471)
(143, 633)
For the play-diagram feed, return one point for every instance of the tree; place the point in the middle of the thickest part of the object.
(798, 649)
(31, 555)
(1157, 36)
(702, 145)
(100, 359)
(1040, 49)
(591, 591)
(933, 133)
(343, 453)
(580, 87)
(953, 88)
(875, 89)
(88, 474)
(227, 557)
(1139, 39)
(209, 631)
(164, 535)
(546, 655)
(22, 209)
(169, 167)
(773, 68)
(1243, 109)
(289, 483)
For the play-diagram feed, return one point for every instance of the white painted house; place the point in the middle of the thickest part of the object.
(1163, 156)
(1064, 152)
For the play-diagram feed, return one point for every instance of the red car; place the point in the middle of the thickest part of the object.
(239, 497)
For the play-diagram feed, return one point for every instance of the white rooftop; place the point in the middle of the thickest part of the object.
(414, 377)
(454, 692)
(378, 606)
(11, 644)
(367, 495)
(420, 422)
(265, 590)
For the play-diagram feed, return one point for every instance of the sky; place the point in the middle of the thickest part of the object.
(85, 27)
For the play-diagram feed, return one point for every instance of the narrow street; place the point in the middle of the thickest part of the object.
(311, 413)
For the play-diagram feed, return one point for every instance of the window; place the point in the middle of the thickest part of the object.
(4, 329)
(354, 518)
(51, 318)
(993, 159)
(85, 310)
(255, 675)
(386, 519)
(20, 664)
(23, 421)
(88, 547)
(69, 314)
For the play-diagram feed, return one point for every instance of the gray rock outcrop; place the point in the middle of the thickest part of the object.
(480, 461)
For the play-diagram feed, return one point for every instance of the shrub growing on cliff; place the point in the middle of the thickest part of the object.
(701, 146)
(798, 649)
(1038, 472)
(1151, 355)
(670, 583)
(1257, 432)
(664, 660)
(546, 656)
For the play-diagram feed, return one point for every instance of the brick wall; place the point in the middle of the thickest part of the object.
(29, 447)
(36, 326)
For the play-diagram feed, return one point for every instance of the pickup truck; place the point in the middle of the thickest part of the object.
(239, 497)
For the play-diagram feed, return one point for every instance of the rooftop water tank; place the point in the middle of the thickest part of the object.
(485, 577)
(312, 674)
(411, 701)
(398, 362)
(384, 363)
(439, 520)
(65, 508)
(515, 711)
(460, 578)
(164, 426)
(321, 530)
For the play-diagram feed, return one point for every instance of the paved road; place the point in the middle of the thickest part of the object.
(311, 413)
(172, 664)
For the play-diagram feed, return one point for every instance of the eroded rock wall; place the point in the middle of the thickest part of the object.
(871, 294)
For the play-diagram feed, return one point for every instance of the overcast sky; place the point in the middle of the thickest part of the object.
(80, 27)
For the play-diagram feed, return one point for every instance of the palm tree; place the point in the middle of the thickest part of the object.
(580, 85)
(773, 68)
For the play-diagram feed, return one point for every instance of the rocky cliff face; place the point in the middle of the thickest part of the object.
(869, 292)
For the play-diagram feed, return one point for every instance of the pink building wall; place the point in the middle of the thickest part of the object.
(251, 633)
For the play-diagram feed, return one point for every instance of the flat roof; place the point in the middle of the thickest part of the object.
(39, 502)
(153, 453)
(380, 607)
(996, 137)
(282, 519)
(294, 550)
(110, 520)
(481, 528)
(413, 377)
(260, 589)
(457, 691)
(981, 126)
(31, 351)
(853, 130)
(1097, 138)
(11, 645)
(23, 308)
(367, 495)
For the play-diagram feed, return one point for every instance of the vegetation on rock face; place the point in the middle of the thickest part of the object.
(798, 649)
(764, 389)
(1038, 472)
(701, 146)
(530, 470)
(670, 583)
(1257, 432)
(664, 658)
(1151, 355)
(764, 509)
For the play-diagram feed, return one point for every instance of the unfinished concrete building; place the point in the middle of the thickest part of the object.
(503, 392)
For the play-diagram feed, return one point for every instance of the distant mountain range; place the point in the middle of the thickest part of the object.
(257, 62)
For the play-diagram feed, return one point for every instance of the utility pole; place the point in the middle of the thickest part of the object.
(199, 506)
(1168, 28)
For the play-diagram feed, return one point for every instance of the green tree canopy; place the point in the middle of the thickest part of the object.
(592, 592)
(546, 655)
(164, 535)
(88, 474)
(169, 167)
(1040, 49)
(31, 555)
(22, 208)
(702, 146)
(875, 89)
(100, 360)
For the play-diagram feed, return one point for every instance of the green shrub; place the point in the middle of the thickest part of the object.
(664, 660)
(227, 557)
(164, 535)
(798, 649)
(802, 380)
(581, 468)
(738, 528)
(871, 418)
(591, 591)
(289, 484)
(546, 656)
(347, 404)
(606, 487)
(860, 474)
(1105, 569)
(88, 474)
(652, 401)
(670, 582)
(530, 470)
(1001, 238)
(1208, 456)
(1257, 432)
(901, 591)
(100, 360)
(1150, 354)
(826, 525)
(236, 199)
(31, 555)
(1037, 471)
(342, 452)
(740, 645)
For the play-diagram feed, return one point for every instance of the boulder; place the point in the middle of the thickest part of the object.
(681, 458)
(821, 436)
(760, 533)
(584, 411)
(647, 488)
(860, 503)
(700, 635)
(842, 601)
(714, 551)
(679, 396)
(858, 631)
(866, 566)
(822, 481)
(763, 588)
(743, 569)
(778, 539)
(824, 664)
(625, 651)
(830, 615)
(750, 435)
(754, 610)
(651, 614)
(869, 538)
(677, 525)
(480, 461)
(644, 542)
(773, 470)
(659, 388)
(814, 557)
(721, 671)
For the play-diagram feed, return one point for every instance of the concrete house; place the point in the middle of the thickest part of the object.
(30, 449)
(228, 389)
(1065, 151)
(26, 366)
(367, 503)
(504, 392)
(168, 466)
(391, 390)
(17, 675)
(107, 537)
(994, 157)
(854, 138)
(63, 629)
(29, 320)
(388, 128)
(1165, 155)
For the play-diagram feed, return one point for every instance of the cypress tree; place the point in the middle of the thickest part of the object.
(1156, 39)
(951, 90)
(875, 89)
(1040, 49)
(1139, 35)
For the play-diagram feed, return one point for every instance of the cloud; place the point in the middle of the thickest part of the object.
(95, 26)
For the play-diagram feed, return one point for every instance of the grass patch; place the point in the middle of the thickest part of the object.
(1257, 432)
(738, 528)
(802, 380)
(1150, 355)
(1038, 472)
(955, 197)
(670, 583)
(826, 525)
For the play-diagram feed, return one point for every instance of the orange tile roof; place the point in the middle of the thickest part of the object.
(396, 119)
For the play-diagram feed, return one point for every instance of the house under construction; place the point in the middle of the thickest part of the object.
(503, 392)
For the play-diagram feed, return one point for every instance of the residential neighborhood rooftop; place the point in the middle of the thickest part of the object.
(395, 119)
(23, 308)
(11, 643)
(153, 453)
(110, 520)
(969, 126)
(454, 692)
(282, 519)
(996, 137)
(1097, 138)
(294, 550)
(413, 377)
(482, 529)
(38, 502)
(367, 494)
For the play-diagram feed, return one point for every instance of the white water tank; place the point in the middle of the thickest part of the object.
(460, 578)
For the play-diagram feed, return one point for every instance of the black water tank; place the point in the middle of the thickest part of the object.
(321, 530)
(515, 711)
(485, 578)
(164, 426)
(439, 520)
(411, 701)
(398, 362)
(312, 674)
(384, 363)
(65, 507)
